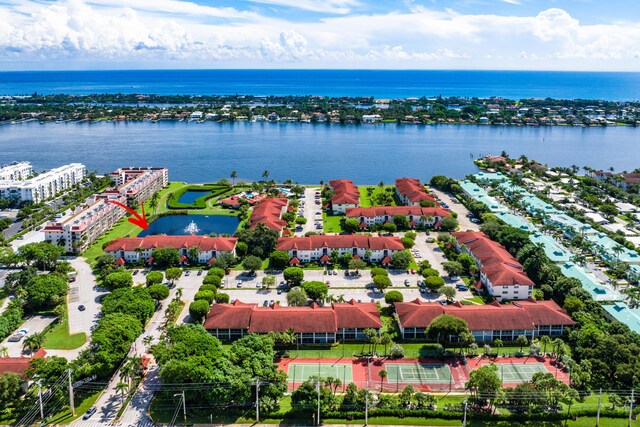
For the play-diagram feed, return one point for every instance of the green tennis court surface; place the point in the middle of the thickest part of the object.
(300, 372)
(519, 372)
(418, 373)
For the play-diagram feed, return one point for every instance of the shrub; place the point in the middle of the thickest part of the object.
(222, 298)
(208, 287)
(117, 280)
(392, 297)
(407, 242)
(434, 282)
(396, 351)
(208, 296)
(158, 292)
(377, 271)
(198, 309)
(212, 280)
(381, 282)
(218, 272)
(154, 278)
(278, 259)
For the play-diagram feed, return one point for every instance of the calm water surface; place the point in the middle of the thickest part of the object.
(309, 153)
(175, 225)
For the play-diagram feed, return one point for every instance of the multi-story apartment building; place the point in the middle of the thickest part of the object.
(500, 273)
(79, 231)
(139, 184)
(345, 195)
(136, 249)
(44, 186)
(269, 212)
(16, 171)
(417, 215)
(319, 248)
(411, 192)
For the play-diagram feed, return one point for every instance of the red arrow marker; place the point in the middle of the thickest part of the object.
(139, 220)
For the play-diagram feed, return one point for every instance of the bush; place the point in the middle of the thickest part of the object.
(396, 351)
(208, 287)
(377, 271)
(154, 278)
(411, 235)
(218, 272)
(212, 280)
(430, 272)
(392, 297)
(294, 275)
(158, 292)
(407, 242)
(222, 298)
(198, 309)
(381, 282)
(434, 282)
(208, 296)
(278, 259)
(117, 280)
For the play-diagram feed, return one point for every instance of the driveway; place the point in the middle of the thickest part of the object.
(456, 206)
(33, 324)
(310, 211)
(84, 292)
(429, 252)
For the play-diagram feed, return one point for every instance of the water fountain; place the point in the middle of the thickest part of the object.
(192, 228)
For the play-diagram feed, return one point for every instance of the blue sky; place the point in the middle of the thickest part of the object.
(384, 34)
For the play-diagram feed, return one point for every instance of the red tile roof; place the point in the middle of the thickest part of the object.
(19, 365)
(339, 241)
(498, 264)
(311, 318)
(416, 211)
(412, 189)
(344, 192)
(205, 243)
(495, 316)
(269, 213)
(120, 261)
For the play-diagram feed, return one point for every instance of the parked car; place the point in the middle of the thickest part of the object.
(135, 272)
(271, 303)
(89, 413)
(413, 271)
(442, 302)
(463, 288)
(475, 220)
(335, 272)
(81, 308)
(188, 272)
(265, 303)
(199, 272)
(279, 291)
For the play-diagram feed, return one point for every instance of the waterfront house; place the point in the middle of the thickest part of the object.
(345, 195)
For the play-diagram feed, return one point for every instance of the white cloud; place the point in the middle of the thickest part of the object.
(183, 33)
(327, 6)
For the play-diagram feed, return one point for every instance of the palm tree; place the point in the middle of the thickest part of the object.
(233, 176)
(4, 351)
(131, 368)
(147, 340)
(179, 293)
(617, 249)
(545, 340)
(265, 174)
(382, 374)
(33, 342)
(122, 388)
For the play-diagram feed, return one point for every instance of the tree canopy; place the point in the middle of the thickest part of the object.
(447, 327)
(132, 301)
(46, 291)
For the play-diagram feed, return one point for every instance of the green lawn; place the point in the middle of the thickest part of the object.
(365, 201)
(57, 336)
(332, 223)
(475, 299)
(83, 403)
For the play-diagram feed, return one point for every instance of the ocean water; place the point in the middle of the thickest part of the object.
(378, 83)
(306, 153)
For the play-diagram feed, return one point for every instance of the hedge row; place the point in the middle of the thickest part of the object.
(209, 191)
(452, 415)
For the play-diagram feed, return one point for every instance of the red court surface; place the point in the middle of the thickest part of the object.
(364, 373)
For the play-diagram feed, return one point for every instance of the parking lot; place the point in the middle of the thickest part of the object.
(310, 210)
(32, 325)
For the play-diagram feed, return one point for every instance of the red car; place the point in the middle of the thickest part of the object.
(328, 283)
(413, 271)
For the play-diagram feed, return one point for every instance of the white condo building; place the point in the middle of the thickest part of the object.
(16, 171)
(79, 231)
(44, 186)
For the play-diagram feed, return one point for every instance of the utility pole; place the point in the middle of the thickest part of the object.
(630, 408)
(366, 406)
(71, 401)
(40, 399)
(184, 408)
(257, 400)
(598, 413)
(318, 389)
(464, 420)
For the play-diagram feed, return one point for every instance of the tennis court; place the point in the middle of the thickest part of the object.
(418, 373)
(519, 372)
(300, 372)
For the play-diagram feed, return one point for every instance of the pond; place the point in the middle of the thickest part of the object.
(177, 225)
(189, 197)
